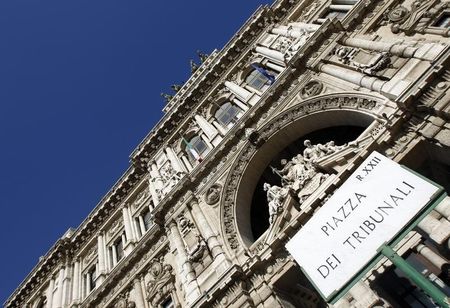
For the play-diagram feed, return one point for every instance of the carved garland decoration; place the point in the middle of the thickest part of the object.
(367, 104)
(161, 282)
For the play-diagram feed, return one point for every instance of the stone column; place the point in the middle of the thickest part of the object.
(139, 296)
(271, 54)
(218, 255)
(438, 231)
(275, 67)
(368, 82)
(142, 225)
(431, 256)
(57, 300)
(222, 130)
(394, 48)
(153, 193)
(240, 104)
(175, 161)
(127, 224)
(143, 288)
(239, 91)
(341, 7)
(49, 296)
(66, 286)
(101, 266)
(114, 256)
(76, 282)
(305, 26)
(186, 270)
(209, 130)
(287, 32)
(154, 174)
(186, 162)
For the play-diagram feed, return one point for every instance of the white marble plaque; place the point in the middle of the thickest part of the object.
(369, 209)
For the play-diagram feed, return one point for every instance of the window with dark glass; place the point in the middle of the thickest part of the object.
(257, 80)
(196, 148)
(443, 21)
(168, 303)
(147, 220)
(118, 245)
(227, 113)
(92, 276)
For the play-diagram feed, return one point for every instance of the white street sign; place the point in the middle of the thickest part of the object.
(369, 209)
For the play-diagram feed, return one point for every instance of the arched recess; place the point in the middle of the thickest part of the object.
(351, 109)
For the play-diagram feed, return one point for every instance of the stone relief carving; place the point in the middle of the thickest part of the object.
(195, 253)
(123, 302)
(92, 252)
(194, 243)
(115, 227)
(309, 11)
(170, 178)
(185, 224)
(417, 18)
(368, 104)
(312, 88)
(290, 45)
(140, 198)
(161, 282)
(212, 195)
(374, 62)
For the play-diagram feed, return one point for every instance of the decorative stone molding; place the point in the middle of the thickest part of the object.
(347, 101)
(161, 284)
(419, 18)
(116, 225)
(92, 252)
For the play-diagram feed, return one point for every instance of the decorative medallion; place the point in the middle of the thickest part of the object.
(212, 195)
(398, 14)
(312, 88)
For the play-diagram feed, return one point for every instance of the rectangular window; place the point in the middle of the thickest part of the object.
(147, 220)
(119, 249)
(92, 278)
(116, 252)
(443, 21)
(168, 303)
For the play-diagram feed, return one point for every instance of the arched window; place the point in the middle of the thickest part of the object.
(260, 77)
(196, 149)
(227, 114)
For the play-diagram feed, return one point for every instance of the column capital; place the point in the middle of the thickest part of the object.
(192, 202)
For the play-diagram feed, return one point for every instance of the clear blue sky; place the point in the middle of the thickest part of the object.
(79, 89)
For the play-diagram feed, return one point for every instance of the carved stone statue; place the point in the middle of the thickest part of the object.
(300, 175)
(275, 195)
(194, 66)
(202, 56)
(176, 87)
(312, 153)
(167, 97)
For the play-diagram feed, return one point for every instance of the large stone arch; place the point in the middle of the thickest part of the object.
(305, 117)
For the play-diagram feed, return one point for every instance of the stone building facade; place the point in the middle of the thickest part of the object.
(250, 147)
